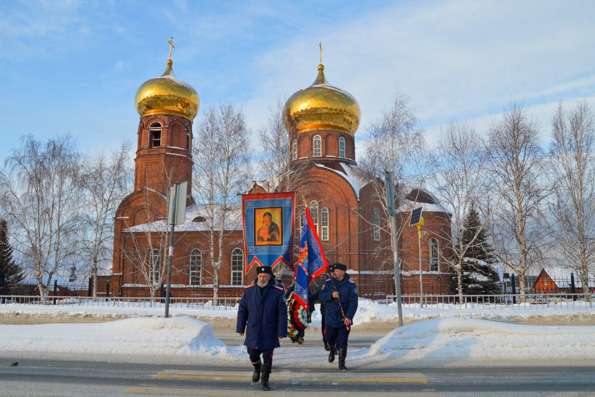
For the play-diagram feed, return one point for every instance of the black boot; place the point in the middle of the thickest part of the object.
(256, 373)
(331, 354)
(327, 347)
(342, 357)
(265, 381)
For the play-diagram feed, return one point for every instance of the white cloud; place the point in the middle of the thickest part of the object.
(457, 60)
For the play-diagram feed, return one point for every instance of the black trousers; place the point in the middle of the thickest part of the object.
(337, 337)
(267, 358)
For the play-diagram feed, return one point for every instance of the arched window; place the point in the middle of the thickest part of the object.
(314, 213)
(154, 265)
(195, 270)
(376, 224)
(237, 266)
(324, 221)
(342, 147)
(155, 135)
(316, 146)
(300, 220)
(433, 245)
(294, 149)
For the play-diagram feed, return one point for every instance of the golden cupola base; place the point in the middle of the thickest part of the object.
(167, 95)
(322, 106)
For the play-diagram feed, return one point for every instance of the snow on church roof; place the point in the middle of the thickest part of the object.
(417, 197)
(350, 173)
(196, 221)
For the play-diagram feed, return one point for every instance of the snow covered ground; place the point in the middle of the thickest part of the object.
(368, 311)
(438, 342)
(136, 336)
(464, 342)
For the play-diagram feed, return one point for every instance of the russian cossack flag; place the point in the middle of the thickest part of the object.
(311, 261)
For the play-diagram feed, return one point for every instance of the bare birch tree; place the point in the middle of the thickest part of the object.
(104, 182)
(574, 206)
(458, 183)
(221, 174)
(394, 142)
(515, 209)
(40, 198)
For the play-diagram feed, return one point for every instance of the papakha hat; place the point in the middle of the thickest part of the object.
(264, 269)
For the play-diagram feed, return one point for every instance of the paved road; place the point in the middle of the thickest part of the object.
(76, 378)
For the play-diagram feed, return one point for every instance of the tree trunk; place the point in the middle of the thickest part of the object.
(460, 282)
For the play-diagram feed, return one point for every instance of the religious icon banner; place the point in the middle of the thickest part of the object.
(268, 221)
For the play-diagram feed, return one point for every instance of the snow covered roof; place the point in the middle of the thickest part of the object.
(562, 277)
(196, 221)
(350, 173)
(415, 197)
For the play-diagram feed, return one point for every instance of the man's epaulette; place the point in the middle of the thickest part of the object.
(279, 288)
(249, 286)
(351, 281)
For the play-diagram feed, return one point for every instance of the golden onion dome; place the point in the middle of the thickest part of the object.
(167, 95)
(322, 106)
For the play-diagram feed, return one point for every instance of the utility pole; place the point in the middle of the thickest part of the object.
(394, 240)
(176, 214)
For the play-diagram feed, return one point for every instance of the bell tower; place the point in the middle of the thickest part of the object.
(167, 108)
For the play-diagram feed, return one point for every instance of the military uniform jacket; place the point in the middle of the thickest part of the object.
(262, 316)
(348, 300)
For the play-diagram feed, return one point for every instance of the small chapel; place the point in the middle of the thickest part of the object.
(322, 121)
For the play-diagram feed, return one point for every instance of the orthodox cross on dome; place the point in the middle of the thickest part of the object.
(170, 44)
(320, 46)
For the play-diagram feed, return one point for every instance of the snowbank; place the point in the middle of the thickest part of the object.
(457, 341)
(120, 309)
(144, 336)
(368, 311)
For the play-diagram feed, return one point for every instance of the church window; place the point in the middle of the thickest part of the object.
(294, 150)
(195, 267)
(155, 134)
(316, 146)
(342, 147)
(314, 213)
(433, 254)
(376, 225)
(237, 266)
(154, 266)
(324, 221)
(187, 141)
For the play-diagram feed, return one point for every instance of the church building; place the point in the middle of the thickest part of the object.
(322, 121)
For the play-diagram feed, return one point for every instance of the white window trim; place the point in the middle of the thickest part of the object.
(315, 152)
(343, 145)
(324, 226)
(241, 269)
(200, 266)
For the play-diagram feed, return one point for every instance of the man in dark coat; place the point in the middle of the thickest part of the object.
(262, 315)
(339, 295)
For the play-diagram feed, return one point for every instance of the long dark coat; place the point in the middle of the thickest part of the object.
(263, 316)
(347, 292)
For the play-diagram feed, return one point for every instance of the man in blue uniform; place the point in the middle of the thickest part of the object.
(339, 296)
(262, 315)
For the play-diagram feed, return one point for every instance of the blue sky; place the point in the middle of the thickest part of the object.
(74, 66)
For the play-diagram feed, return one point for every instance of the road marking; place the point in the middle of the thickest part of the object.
(296, 377)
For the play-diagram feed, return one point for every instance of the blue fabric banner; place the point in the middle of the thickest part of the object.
(268, 221)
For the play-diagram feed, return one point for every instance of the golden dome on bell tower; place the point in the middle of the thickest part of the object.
(167, 95)
(322, 106)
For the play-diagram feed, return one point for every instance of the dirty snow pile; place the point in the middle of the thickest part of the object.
(143, 336)
(459, 341)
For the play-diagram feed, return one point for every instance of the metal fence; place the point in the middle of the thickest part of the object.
(502, 299)
(227, 302)
(222, 303)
